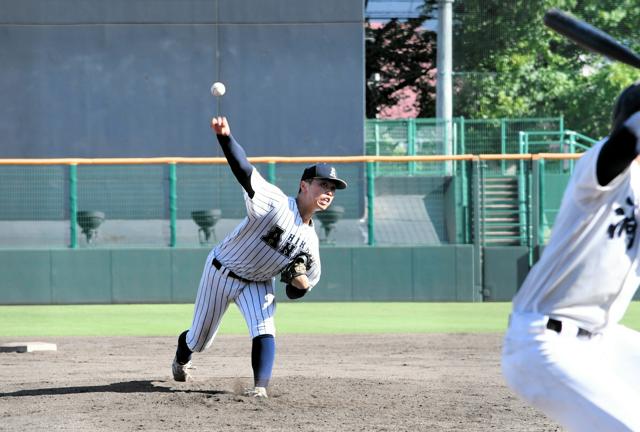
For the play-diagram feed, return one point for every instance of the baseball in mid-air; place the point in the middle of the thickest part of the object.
(218, 89)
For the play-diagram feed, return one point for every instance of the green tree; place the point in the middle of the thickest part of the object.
(508, 64)
(400, 55)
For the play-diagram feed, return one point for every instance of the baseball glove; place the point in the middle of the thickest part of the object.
(298, 266)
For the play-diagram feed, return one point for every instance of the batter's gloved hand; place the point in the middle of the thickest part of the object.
(297, 267)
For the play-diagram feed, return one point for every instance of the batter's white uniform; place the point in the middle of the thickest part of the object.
(257, 250)
(586, 375)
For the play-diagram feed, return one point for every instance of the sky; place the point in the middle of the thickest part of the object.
(383, 10)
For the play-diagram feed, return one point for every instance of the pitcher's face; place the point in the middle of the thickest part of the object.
(321, 192)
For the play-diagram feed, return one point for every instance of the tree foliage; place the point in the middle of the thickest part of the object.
(506, 62)
(401, 55)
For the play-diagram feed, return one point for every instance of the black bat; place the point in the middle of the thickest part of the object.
(590, 37)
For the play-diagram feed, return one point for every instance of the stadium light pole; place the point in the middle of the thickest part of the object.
(444, 106)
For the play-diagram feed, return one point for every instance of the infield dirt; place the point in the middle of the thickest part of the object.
(408, 382)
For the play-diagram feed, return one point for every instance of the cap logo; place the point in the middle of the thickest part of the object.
(333, 172)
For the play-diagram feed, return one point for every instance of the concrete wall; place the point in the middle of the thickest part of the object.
(118, 78)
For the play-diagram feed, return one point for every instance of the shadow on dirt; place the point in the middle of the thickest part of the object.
(121, 387)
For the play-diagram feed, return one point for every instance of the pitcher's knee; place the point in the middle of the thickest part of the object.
(263, 330)
(198, 343)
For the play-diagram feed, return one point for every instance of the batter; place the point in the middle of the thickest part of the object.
(565, 351)
(242, 267)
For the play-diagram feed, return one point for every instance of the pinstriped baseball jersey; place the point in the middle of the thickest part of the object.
(272, 233)
(257, 250)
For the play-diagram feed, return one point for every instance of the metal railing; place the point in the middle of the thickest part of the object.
(431, 136)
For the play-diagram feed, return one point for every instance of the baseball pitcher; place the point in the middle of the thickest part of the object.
(276, 237)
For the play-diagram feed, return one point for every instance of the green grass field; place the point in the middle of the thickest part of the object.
(328, 318)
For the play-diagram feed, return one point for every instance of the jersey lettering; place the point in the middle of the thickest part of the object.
(287, 249)
(273, 237)
(627, 225)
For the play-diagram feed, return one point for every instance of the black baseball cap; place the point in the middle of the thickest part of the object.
(323, 171)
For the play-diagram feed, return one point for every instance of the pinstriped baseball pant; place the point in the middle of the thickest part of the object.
(216, 292)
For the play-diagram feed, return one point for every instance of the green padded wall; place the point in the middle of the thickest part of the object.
(26, 277)
(165, 275)
(504, 270)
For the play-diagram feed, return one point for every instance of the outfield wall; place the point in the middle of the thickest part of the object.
(166, 275)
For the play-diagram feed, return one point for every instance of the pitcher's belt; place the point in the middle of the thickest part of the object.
(217, 264)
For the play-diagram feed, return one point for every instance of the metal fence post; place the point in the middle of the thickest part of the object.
(503, 144)
(370, 206)
(466, 229)
(462, 143)
(572, 150)
(462, 204)
(542, 218)
(271, 172)
(377, 138)
(522, 202)
(477, 230)
(173, 204)
(411, 144)
(523, 146)
(535, 210)
(73, 205)
(465, 203)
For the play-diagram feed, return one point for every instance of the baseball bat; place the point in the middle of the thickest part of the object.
(590, 37)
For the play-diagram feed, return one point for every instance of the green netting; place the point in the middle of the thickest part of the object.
(134, 200)
(34, 210)
(410, 137)
(124, 191)
(32, 192)
(463, 136)
(426, 204)
(411, 210)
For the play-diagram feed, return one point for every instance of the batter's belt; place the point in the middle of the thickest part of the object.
(217, 264)
(556, 326)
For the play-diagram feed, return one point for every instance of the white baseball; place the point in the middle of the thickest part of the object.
(218, 89)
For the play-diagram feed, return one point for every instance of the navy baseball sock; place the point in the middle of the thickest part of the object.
(263, 352)
(183, 353)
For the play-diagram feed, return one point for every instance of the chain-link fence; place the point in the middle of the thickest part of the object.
(451, 200)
